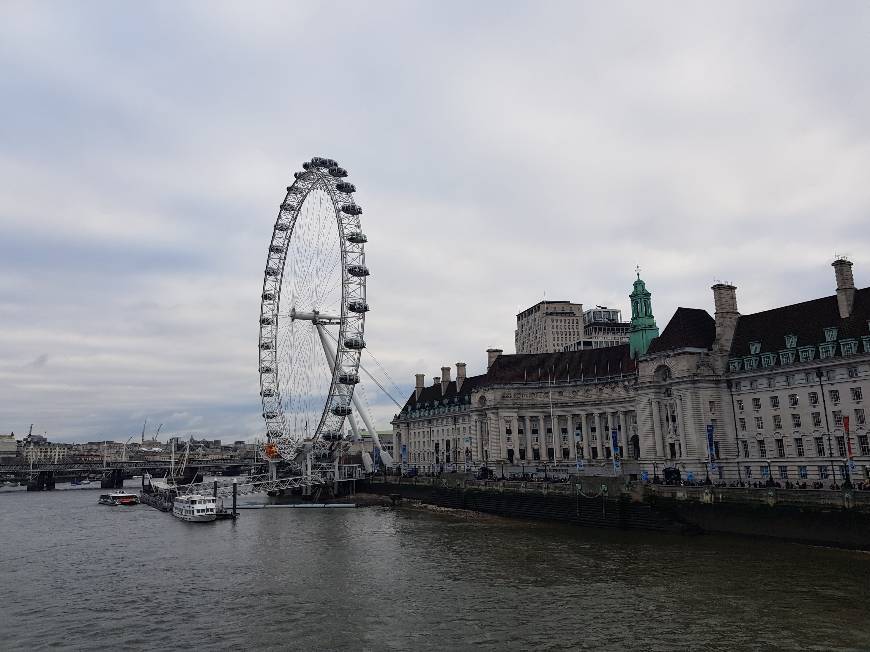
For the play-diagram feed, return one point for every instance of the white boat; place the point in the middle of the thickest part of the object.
(195, 507)
(119, 498)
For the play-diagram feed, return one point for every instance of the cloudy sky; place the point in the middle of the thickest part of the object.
(503, 152)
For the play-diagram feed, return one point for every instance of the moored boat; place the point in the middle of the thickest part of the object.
(119, 498)
(195, 508)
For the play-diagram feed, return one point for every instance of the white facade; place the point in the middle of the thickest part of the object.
(548, 326)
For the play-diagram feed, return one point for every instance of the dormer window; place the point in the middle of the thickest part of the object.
(750, 363)
(807, 353)
(830, 334)
(735, 364)
(826, 350)
(849, 347)
(768, 360)
(754, 348)
(786, 357)
(866, 341)
(790, 341)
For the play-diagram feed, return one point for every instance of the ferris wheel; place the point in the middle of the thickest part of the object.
(312, 316)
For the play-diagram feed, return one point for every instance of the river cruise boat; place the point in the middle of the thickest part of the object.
(195, 508)
(119, 498)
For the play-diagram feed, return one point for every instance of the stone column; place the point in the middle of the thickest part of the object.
(682, 425)
(599, 431)
(657, 430)
(623, 433)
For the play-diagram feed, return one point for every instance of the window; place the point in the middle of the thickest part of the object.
(777, 422)
(762, 448)
(841, 446)
(790, 341)
(823, 472)
(859, 416)
(857, 394)
(849, 347)
(852, 372)
(753, 384)
(795, 420)
(817, 419)
(807, 353)
(747, 471)
(742, 424)
(826, 351)
(765, 472)
(830, 334)
(820, 446)
(838, 418)
(786, 357)
(774, 402)
(864, 444)
(745, 445)
(793, 400)
(802, 472)
(799, 446)
(814, 398)
(740, 404)
(738, 386)
(780, 448)
(751, 363)
(783, 472)
(835, 396)
(759, 423)
(712, 407)
(756, 403)
(754, 348)
(768, 360)
(734, 365)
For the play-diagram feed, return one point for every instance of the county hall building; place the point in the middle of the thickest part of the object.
(779, 393)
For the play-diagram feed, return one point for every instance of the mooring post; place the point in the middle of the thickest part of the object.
(235, 492)
(215, 490)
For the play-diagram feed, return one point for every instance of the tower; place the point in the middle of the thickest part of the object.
(643, 324)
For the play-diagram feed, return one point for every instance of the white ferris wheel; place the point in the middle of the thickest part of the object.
(312, 317)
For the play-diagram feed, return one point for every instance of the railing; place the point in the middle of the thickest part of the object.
(830, 498)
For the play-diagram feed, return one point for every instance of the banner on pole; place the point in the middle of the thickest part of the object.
(614, 449)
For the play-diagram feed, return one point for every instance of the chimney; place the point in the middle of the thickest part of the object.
(491, 355)
(445, 379)
(845, 286)
(436, 380)
(460, 375)
(421, 378)
(725, 300)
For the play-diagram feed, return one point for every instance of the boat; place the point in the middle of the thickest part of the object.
(119, 498)
(85, 481)
(195, 508)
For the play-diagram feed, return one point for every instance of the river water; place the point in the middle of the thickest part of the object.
(78, 575)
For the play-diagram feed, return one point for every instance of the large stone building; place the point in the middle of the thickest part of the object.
(551, 326)
(742, 397)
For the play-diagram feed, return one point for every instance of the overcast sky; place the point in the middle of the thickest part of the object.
(503, 152)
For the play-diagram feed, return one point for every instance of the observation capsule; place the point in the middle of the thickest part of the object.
(270, 415)
(346, 187)
(266, 346)
(282, 226)
(331, 436)
(358, 270)
(271, 271)
(338, 172)
(306, 165)
(357, 237)
(320, 162)
(342, 410)
(351, 209)
(299, 175)
(266, 321)
(348, 379)
(268, 296)
(288, 206)
(266, 369)
(358, 306)
(276, 249)
(268, 392)
(355, 343)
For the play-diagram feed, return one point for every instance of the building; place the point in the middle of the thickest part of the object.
(548, 326)
(772, 395)
(8, 448)
(602, 326)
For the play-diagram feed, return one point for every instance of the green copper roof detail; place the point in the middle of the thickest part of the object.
(643, 324)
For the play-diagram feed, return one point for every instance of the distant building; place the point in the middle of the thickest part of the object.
(602, 326)
(548, 326)
(8, 448)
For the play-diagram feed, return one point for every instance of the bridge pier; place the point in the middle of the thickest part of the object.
(42, 481)
(113, 480)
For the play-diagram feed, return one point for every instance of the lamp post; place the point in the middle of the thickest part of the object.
(827, 425)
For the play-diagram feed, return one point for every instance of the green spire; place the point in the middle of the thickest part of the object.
(643, 324)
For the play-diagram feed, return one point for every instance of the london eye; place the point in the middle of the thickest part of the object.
(312, 316)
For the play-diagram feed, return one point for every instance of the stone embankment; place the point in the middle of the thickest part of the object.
(823, 517)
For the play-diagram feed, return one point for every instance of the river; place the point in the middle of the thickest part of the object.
(78, 575)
